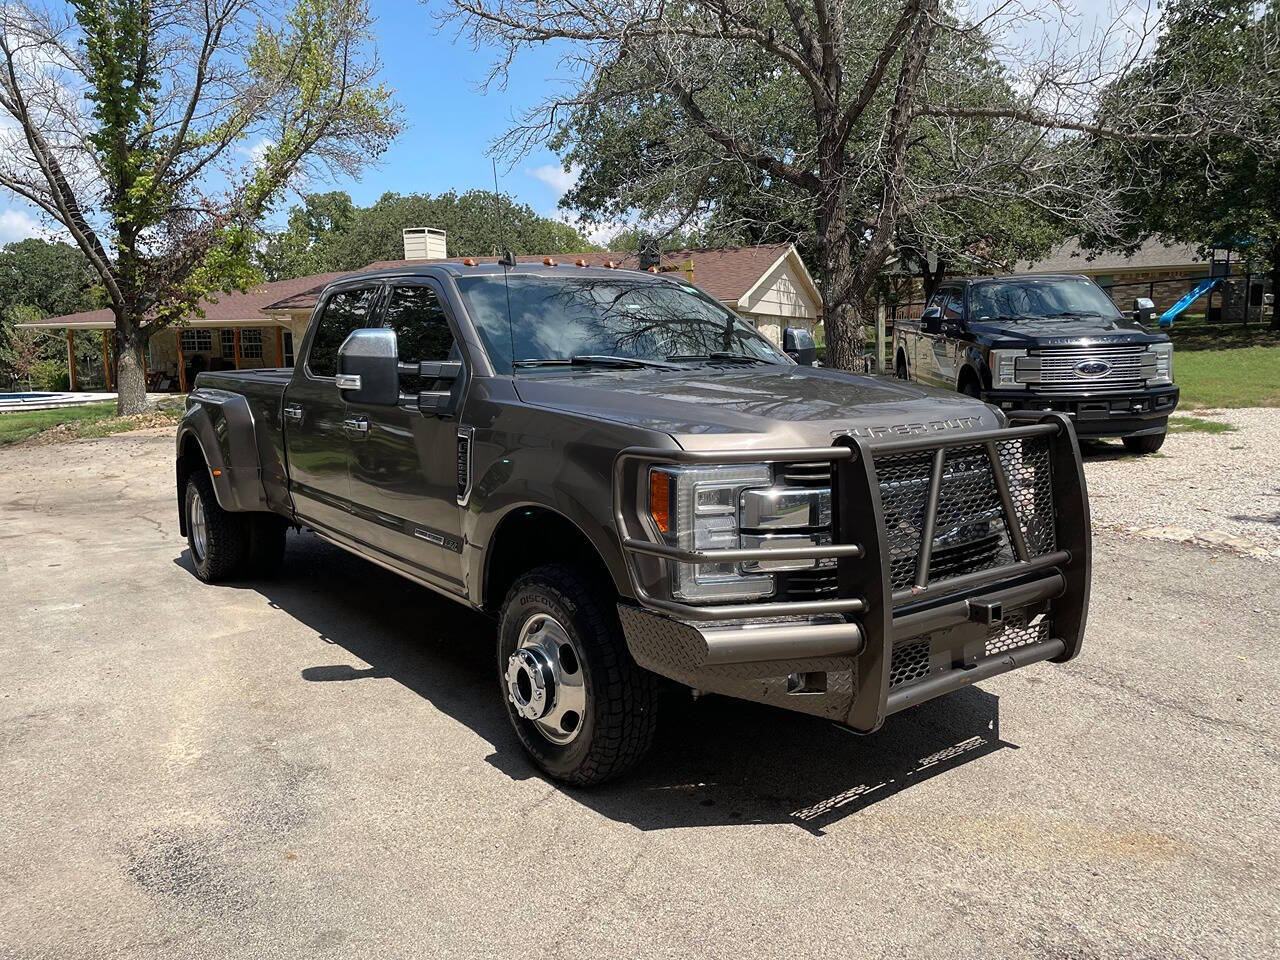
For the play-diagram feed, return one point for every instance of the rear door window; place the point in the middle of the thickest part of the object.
(345, 311)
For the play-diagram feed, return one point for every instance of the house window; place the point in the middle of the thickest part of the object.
(251, 344)
(197, 341)
(228, 338)
(287, 340)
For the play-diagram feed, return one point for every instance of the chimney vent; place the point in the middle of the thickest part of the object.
(424, 243)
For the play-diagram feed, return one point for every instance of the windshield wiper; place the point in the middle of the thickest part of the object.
(594, 360)
(717, 355)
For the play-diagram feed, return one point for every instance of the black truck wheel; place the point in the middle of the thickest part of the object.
(579, 704)
(1148, 443)
(219, 541)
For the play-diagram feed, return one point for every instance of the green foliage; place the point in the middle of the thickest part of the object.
(1223, 191)
(40, 279)
(50, 375)
(327, 232)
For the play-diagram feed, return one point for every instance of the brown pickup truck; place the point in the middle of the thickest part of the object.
(638, 486)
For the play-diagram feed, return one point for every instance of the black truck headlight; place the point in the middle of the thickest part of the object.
(1005, 370)
(696, 508)
(1157, 363)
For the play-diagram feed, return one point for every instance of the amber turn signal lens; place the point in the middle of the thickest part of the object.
(660, 500)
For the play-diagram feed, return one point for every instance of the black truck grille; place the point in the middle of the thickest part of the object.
(971, 532)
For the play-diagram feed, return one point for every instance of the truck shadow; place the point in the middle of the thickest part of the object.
(717, 761)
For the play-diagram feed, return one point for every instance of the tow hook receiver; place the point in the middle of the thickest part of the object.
(989, 612)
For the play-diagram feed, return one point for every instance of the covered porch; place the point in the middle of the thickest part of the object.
(176, 354)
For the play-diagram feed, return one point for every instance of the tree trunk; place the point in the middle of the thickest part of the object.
(131, 378)
(1275, 284)
(841, 315)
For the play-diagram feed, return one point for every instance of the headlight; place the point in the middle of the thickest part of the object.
(1004, 368)
(1157, 363)
(696, 508)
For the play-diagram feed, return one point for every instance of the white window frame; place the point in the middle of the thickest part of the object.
(197, 334)
(250, 344)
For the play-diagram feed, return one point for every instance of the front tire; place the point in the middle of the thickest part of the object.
(1148, 443)
(582, 708)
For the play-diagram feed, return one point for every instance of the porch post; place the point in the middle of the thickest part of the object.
(237, 347)
(71, 360)
(106, 361)
(182, 364)
(279, 346)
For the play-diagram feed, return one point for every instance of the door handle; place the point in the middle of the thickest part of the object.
(356, 425)
(293, 412)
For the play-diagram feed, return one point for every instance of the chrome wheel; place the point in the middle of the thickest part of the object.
(198, 526)
(544, 679)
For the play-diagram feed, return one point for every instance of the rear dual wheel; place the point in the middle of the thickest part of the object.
(229, 546)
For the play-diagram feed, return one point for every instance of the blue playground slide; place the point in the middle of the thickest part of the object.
(1192, 295)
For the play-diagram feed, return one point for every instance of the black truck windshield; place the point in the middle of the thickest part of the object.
(1039, 298)
(613, 318)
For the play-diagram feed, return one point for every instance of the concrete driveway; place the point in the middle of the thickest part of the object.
(319, 766)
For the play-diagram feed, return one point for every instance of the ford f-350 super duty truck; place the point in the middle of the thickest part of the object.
(637, 486)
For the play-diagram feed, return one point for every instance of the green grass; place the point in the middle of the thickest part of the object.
(91, 420)
(1196, 425)
(1236, 377)
(24, 424)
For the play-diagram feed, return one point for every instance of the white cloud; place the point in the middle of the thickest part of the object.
(556, 177)
(18, 225)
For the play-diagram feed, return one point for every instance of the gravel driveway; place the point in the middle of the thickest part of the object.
(1220, 489)
(319, 766)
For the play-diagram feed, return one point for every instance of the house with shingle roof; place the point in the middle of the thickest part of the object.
(767, 284)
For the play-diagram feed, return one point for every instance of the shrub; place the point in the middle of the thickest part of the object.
(50, 375)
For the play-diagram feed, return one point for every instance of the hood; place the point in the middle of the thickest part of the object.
(1082, 331)
(765, 406)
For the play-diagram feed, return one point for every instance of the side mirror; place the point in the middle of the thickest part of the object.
(797, 343)
(931, 319)
(369, 367)
(1144, 309)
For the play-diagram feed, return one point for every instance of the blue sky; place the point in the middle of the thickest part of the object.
(449, 124)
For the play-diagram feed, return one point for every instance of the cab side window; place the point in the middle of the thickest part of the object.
(422, 330)
(345, 311)
(953, 305)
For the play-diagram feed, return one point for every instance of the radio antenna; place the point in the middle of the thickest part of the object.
(506, 261)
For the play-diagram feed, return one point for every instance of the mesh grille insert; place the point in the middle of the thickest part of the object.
(910, 662)
(971, 532)
(1018, 632)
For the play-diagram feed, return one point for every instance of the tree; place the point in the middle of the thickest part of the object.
(823, 110)
(328, 233)
(158, 132)
(40, 278)
(1213, 192)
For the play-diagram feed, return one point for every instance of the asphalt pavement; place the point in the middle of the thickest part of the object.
(319, 766)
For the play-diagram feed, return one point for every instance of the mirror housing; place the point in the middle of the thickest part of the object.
(369, 367)
(797, 343)
(931, 319)
(1144, 309)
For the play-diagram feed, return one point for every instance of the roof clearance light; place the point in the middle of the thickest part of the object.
(581, 262)
(653, 269)
(611, 264)
(549, 261)
(469, 261)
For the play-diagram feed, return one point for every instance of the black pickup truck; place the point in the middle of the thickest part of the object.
(1046, 343)
(638, 486)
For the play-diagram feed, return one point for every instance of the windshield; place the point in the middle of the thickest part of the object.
(1038, 299)
(557, 318)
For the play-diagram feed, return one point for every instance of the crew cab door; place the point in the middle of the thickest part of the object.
(939, 341)
(404, 473)
(317, 425)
